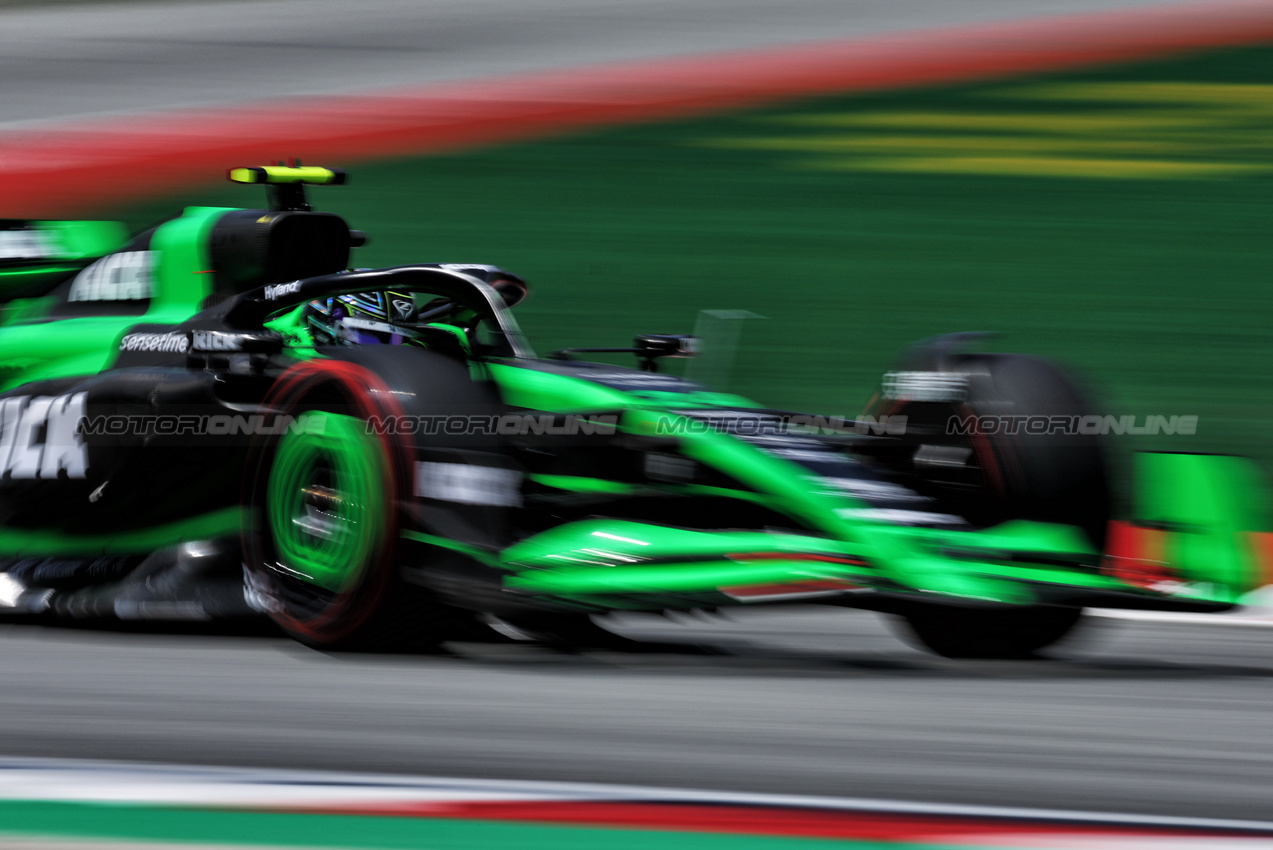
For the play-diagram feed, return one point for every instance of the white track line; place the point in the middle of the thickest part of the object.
(1257, 610)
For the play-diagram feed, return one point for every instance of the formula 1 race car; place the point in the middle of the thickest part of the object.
(217, 418)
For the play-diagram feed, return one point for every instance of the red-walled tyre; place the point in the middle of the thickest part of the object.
(324, 500)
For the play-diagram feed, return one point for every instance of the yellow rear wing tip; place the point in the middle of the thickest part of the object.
(283, 174)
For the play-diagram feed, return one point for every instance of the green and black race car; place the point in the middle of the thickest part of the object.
(217, 418)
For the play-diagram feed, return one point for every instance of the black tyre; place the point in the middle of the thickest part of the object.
(993, 474)
(1009, 470)
(1017, 632)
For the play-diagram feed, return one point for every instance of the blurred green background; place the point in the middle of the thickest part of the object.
(1119, 220)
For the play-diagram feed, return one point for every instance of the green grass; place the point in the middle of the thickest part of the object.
(56, 821)
(1156, 290)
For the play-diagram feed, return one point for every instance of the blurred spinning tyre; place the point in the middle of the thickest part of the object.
(324, 512)
(1057, 478)
(1005, 633)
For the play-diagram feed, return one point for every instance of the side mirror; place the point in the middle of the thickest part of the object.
(646, 347)
(650, 347)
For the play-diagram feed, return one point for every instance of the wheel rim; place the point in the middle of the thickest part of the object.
(326, 509)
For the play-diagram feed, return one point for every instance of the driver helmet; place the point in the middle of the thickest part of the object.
(396, 318)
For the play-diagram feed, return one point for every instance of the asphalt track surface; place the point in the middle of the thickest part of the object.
(1137, 717)
(76, 61)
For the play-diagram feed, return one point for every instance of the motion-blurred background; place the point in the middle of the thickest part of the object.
(1114, 216)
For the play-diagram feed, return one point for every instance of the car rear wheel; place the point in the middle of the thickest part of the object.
(324, 499)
